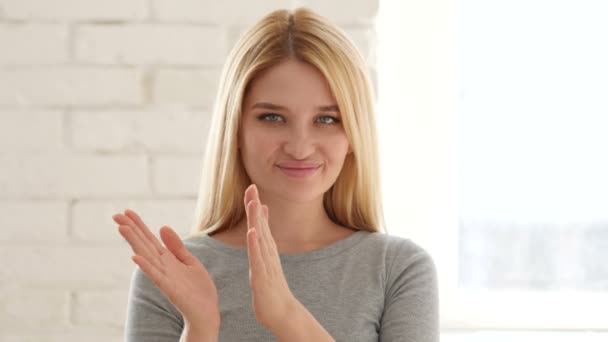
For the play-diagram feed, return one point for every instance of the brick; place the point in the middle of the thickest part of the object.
(92, 220)
(75, 9)
(186, 86)
(150, 44)
(70, 86)
(31, 131)
(212, 11)
(54, 175)
(33, 44)
(33, 309)
(100, 308)
(137, 130)
(78, 267)
(177, 175)
(343, 11)
(33, 222)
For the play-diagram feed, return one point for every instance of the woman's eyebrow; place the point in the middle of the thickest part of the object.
(272, 106)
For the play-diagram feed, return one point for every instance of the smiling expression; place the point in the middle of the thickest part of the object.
(291, 138)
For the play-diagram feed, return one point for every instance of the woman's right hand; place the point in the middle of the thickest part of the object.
(179, 275)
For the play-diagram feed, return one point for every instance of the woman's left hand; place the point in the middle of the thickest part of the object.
(271, 297)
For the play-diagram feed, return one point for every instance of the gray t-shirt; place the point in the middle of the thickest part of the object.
(366, 287)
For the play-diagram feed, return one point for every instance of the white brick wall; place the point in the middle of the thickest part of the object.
(75, 10)
(65, 86)
(105, 105)
(149, 44)
(45, 125)
(195, 87)
(33, 44)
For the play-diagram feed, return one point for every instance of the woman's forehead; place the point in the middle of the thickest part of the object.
(290, 79)
(282, 100)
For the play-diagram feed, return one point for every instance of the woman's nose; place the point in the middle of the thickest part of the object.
(299, 143)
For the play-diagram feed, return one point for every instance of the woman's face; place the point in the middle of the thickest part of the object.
(292, 142)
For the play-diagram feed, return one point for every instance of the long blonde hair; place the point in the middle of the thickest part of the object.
(354, 200)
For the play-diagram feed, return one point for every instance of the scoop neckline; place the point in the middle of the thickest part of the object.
(319, 253)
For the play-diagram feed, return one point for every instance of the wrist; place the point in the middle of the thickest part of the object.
(292, 319)
(200, 333)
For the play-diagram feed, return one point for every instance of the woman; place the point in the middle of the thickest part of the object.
(288, 242)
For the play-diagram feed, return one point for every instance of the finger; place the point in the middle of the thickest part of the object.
(250, 214)
(270, 244)
(271, 238)
(248, 196)
(254, 217)
(137, 245)
(147, 232)
(155, 275)
(128, 233)
(176, 246)
(146, 248)
(256, 264)
(259, 222)
(267, 244)
(250, 209)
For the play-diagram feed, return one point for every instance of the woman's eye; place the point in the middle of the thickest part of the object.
(273, 117)
(269, 117)
(332, 120)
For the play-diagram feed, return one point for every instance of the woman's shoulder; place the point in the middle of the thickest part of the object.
(195, 242)
(395, 244)
(399, 252)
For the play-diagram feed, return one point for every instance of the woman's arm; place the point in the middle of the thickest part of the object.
(191, 334)
(153, 318)
(411, 310)
(150, 316)
(171, 289)
(301, 325)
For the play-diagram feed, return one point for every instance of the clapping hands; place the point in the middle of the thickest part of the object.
(271, 296)
(184, 280)
(179, 275)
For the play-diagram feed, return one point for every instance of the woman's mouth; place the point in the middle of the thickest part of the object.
(299, 172)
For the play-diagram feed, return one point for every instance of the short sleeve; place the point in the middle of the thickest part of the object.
(150, 316)
(411, 308)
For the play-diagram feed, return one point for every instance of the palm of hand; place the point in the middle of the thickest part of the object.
(179, 275)
(184, 280)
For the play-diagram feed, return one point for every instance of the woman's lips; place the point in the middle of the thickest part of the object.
(299, 172)
(298, 165)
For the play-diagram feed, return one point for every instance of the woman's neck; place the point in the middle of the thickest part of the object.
(295, 226)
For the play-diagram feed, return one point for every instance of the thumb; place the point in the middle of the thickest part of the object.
(176, 246)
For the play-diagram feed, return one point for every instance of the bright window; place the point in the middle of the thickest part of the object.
(493, 121)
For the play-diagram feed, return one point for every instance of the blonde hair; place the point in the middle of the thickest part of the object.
(354, 200)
